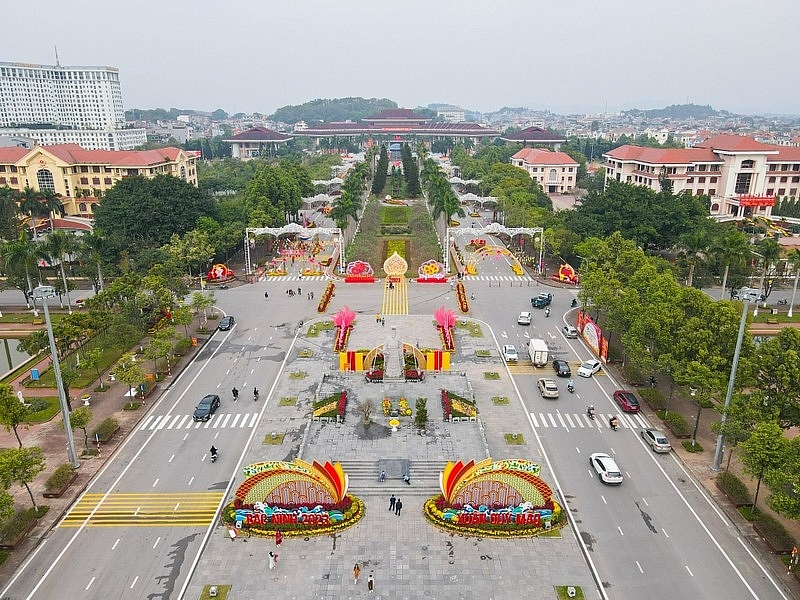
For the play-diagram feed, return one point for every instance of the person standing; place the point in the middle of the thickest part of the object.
(273, 560)
(398, 507)
(278, 539)
(392, 501)
(370, 583)
(356, 573)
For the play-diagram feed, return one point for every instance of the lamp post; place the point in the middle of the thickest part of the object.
(761, 281)
(693, 392)
(43, 292)
(718, 451)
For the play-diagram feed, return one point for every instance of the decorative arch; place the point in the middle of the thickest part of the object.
(292, 228)
(411, 348)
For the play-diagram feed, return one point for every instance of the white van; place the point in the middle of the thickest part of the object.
(749, 294)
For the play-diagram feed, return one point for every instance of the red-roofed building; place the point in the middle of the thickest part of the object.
(556, 172)
(258, 141)
(81, 176)
(743, 177)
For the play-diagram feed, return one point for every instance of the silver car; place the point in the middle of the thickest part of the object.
(657, 440)
(547, 388)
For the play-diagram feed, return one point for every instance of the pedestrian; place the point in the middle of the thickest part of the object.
(312, 295)
(370, 583)
(232, 533)
(398, 506)
(383, 321)
(383, 476)
(266, 295)
(299, 291)
(407, 479)
(392, 501)
(356, 573)
(278, 539)
(378, 318)
(273, 560)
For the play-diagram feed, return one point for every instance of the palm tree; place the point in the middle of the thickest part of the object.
(58, 245)
(50, 203)
(21, 256)
(695, 244)
(344, 207)
(92, 247)
(29, 203)
(733, 248)
(770, 251)
(793, 257)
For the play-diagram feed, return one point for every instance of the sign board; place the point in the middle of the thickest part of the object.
(750, 200)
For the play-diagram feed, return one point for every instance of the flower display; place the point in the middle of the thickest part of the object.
(461, 293)
(432, 270)
(344, 322)
(359, 268)
(326, 297)
(387, 406)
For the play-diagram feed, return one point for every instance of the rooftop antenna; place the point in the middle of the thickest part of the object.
(57, 63)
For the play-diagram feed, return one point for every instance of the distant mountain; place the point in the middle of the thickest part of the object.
(335, 109)
(678, 111)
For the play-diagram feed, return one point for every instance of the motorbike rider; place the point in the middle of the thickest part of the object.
(590, 411)
(546, 312)
(571, 385)
(213, 452)
(613, 422)
(574, 302)
(235, 393)
(255, 393)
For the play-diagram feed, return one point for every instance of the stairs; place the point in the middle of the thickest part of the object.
(364, 474)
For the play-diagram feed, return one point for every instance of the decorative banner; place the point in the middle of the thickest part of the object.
(751, 200)
(219, 271)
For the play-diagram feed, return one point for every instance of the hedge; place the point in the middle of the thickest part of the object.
(734, 487)
(182, 345)
(654, 398)
(675, 421)
(774, 533)
(19, 522)
(59, 478)
(106, 429)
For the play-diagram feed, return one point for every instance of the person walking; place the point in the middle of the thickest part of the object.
(370, 583)
(266, 295)
(356, 573)
(273, 560)
(392, 501)
(398, 507)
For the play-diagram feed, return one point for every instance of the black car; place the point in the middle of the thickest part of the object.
(226, 323)
(561, 368)
(207, 407)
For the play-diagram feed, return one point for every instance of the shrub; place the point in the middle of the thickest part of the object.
(182, 345)
(60, 477)
(676, 423)
(734, 488)
(106, 429)
(774, 533)
(654, 398)
(19, 522)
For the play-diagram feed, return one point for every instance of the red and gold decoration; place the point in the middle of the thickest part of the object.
(344, 325)
(326, 297)
(219, 272)
(461, 292)
(431, 272)
(296, 498)
(445, 320)
(566, 274)
(504, 498)
(359, 271)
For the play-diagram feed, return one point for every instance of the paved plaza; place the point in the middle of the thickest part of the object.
(407, 557)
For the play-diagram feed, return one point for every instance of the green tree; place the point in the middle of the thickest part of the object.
(140, 212)
(91, 360)
(793, 257)
(129, 371)
(183, 316)
(19, 257)
(763, 451)
(421, 413)
(9, 214)
(193, 249)
(80, 419)
(202, 302)
(12, 410)
(784, 481)
(381, 171)
(21, 465)
(732, 249)
(59, 245)
(770, 251)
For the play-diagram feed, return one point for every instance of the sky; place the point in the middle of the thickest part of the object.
(566, 56)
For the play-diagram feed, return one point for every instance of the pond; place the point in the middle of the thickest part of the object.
(10, 355)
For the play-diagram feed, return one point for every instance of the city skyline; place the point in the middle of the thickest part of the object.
(574, 57)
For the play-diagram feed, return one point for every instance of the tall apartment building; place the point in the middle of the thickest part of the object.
(60, 105)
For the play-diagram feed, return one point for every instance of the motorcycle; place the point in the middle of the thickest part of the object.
(783, 302)
(570, 387)
(546, 312)
(613, 423)
(214, 455)
(574, 303)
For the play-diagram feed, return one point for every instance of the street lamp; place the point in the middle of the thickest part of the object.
(43, 292)
(761, 282)
(693, 393)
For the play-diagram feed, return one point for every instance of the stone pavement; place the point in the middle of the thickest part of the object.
(407, 557)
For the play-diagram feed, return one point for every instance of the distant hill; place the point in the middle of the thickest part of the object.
(678, 111)
(336, 109)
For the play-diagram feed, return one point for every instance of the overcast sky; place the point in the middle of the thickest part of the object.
(562, 55)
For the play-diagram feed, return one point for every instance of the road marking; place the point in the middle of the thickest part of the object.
(133, 583)
(640, 567)
(689, 570)
(91, 581)
(561, 419)
(178, 509)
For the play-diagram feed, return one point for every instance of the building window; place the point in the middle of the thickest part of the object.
(700, 192)
(701, 180)
(14, 181)
(82, 207)
(553, 175)
(95, 181)
(712, 180)
(781, 191)
(2, 168)
(95, 169)
(714, 168)
(2, 180)
(771, 180)
(84, 181)
(793, 192)
(107, 180)
(701, 167)
(712, 192)
(743, 183)
(690, 180)
(690, 169)
(748, 164)
(783, 179)
(770, 192)
(84, 169)
(772, 168)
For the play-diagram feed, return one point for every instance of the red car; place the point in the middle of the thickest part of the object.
(627, 401)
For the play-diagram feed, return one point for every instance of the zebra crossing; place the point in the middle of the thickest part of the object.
(558, 420)
(297, 277)
(514, 278)
(171, 509)
(218, 421)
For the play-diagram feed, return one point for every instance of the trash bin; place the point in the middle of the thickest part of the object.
(194, 341)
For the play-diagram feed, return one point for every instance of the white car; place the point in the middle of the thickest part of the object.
(606, 468)
(524, 318)
(570, 332)
(547, 388)
(589, 368)
(510, 353)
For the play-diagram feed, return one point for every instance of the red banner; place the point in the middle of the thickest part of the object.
(749, 200)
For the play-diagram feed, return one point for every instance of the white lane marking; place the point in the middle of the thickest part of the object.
(171, 458)
(114, 547)
(158, 539)
(133, 583)
(552, 420)
(561, 419)
(174, 420)
(689, 570)
(535, 422)
(180, 425)
(569, 420)
(254, 419)
(91, 581)
(620, 530)
(640, 567)
(235, 419)
(155, 483)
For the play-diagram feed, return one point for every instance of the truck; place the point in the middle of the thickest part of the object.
(537, 349)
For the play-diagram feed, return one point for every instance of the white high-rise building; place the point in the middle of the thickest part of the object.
(58, 105)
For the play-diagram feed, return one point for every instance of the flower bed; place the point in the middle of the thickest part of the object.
(374, 376)
(326, 297)
(446, 335)
(454, 405)
(332, 406)
(413, 375)
(463, 305)
(386, 405)
(342, 335)
(431, 280)
(359, 279)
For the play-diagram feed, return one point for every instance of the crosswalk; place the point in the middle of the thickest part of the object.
(514, 278)
(218, 421)
(294, 278)
(172, 509)
(565, 420)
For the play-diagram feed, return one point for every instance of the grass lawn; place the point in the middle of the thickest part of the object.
(514, 439)
(44, 409)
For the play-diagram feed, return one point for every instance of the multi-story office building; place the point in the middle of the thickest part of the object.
(56, 105)
(555, 172)
(742, 177)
